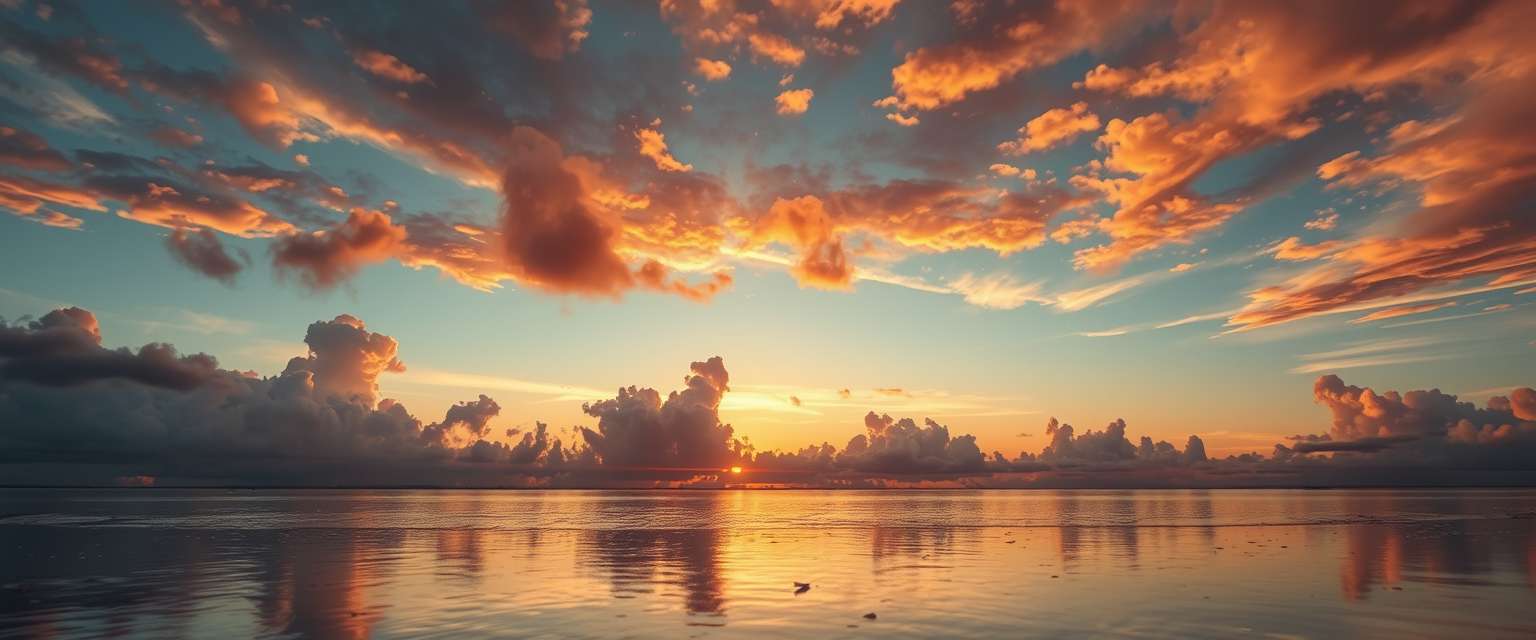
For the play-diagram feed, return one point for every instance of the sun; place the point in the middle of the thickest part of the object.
(736, 470)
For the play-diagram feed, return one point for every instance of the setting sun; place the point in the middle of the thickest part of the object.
(735, 469)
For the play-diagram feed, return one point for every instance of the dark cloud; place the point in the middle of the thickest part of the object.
(638, 429)
(202, 252)
(552, 239)
(62, 349)
(901, 447)
(325, 258)
(79, 55)
(84, 413)
(29, 151)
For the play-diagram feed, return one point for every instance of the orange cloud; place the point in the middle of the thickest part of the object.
(387, 66)
(325, 258)
(712, 69)
(1292, 250)
(805, 224)
(1052, 128)
(26, 196)
(794, 102)
(1465, 170)
(1405, 310)
(933, 77)
(53, 219)
(654, 275)
(653, 145)
(869, 12)
(776, 48)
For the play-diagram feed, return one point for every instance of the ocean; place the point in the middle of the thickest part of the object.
(163, 563)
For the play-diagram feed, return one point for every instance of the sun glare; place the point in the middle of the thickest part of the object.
(735, 469)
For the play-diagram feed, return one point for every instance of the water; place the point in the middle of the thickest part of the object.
(671, 564)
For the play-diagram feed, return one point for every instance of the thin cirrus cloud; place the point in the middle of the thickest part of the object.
(1372, 353)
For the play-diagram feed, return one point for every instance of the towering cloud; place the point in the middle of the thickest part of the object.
(345, 359)
(637, 429)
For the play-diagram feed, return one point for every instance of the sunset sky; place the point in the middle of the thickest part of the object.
(987, 214)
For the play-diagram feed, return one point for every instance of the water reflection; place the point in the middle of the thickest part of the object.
(641, 563)
(641, 560)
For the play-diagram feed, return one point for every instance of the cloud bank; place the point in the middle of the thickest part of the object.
(73, 411)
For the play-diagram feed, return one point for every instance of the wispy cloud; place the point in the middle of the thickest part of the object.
(440, 378)
(1080, 299)
(1371, 353)
(196, 322)
(1203, 317)
(998, 291)
(1406, 310)
(1487, 311)
(1117, 331)
(1393, 302)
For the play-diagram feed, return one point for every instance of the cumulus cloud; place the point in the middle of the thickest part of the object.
(712, 69)
(325, 258)
(1052, 128)
(776, 48)
(553, 240)
(900, 446)
(345, 358)
(63, 349)
(68, 401)
(794, 102)
(638, 429)
(805, 224)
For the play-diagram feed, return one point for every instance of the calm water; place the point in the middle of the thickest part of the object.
(1163, 564)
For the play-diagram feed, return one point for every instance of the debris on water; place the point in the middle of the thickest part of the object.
(1055, 576)
(870, 616)
(802, 587)
(1008, 542)
(1397, 588)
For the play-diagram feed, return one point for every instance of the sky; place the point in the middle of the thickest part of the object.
(994, 215)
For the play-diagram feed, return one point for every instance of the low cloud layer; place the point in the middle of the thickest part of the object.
(73, 411)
